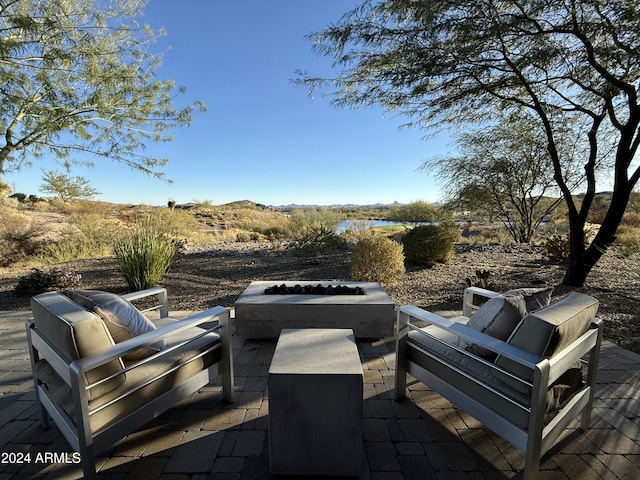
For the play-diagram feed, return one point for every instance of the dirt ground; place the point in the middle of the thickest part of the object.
(204, 276)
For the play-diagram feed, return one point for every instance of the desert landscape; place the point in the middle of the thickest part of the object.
(203, 276)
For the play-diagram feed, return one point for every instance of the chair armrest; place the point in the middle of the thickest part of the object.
(163, 301)
(468, 307)
(488, 342)
(146, 339)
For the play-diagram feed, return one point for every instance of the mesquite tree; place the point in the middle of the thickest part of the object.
(77, 78)
(505, 171)
(455, 62)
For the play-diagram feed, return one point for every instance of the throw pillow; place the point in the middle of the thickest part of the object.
(497, 318)
(122, 318)
(534, 297)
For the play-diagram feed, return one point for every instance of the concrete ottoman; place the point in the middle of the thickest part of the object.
(315, 403)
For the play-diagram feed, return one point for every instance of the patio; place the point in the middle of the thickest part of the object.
(422, 438)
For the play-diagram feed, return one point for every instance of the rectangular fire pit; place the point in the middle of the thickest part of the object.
(260, 316)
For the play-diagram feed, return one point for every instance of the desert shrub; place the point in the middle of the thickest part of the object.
(358, 230)
(315, 216)
(243, 237)
(628, 240)
(88, 235)
(40, 281)
(377, 259)
(314, 239)
(275, 232)
(631, 218)
(20, 237)
(21, 197)
(482, 279)
(4, 189)
(314, 230)
(12, 203)
(557, 246)
(176, 223)
(144, 255)
(427, 245)
(556, 242)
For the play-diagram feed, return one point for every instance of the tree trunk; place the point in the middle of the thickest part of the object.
(582, 260)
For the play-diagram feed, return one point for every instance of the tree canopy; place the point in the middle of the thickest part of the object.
(415, 213)
(503, 171)
(67, 187)
(454, 63)
(77, 80)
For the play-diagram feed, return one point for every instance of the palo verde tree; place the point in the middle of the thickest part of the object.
(77, 78)
(414, 213)
(456, 62)
(67, 187)
(503, 171)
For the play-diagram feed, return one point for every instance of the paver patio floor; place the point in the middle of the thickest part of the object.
(424, 437)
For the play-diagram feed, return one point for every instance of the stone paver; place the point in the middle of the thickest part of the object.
(422, 437)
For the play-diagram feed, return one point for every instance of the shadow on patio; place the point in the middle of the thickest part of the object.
(419, 438)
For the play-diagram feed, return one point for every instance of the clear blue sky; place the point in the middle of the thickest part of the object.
(262, 138)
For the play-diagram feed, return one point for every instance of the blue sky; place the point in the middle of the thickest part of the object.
(262, 138)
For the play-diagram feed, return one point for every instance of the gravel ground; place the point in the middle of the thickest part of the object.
(205, 276)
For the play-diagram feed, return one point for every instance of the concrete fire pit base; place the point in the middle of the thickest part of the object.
(260, 316)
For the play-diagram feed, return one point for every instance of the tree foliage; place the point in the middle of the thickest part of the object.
(450, 63)
(67, 187)
(504, 171)
(414, 213)
(78, 78)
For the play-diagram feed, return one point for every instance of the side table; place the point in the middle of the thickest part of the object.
(315, 403)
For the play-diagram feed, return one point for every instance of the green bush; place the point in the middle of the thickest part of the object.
(427, 245)
(314, 230)
(144, 255)
(377, 259)
(313, 239)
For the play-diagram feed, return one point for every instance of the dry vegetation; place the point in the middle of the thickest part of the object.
(217, 270)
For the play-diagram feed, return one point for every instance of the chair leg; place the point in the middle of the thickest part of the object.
(44, 415)
(227, 359)
(88, 465)
(401, 356)
(531, 468)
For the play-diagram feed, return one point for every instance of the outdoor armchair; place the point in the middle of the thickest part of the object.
(98, 389)
(526, 386)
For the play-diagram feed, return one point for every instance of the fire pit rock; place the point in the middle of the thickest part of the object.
(318, 289)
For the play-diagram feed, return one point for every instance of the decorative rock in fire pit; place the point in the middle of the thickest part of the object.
(259, 314)
(318, 289)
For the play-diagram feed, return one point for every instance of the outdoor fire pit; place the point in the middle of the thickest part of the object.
(364, 307)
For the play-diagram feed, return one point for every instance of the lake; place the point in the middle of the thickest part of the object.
(346, 224)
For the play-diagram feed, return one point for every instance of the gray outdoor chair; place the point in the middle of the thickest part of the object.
(526, 387)
(96, 390)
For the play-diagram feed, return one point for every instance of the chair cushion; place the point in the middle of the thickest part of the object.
(149, 380)
(535, 298)
(546, 331)
(76, 333)
(122, 318)
(497, 318)
(464, 371)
